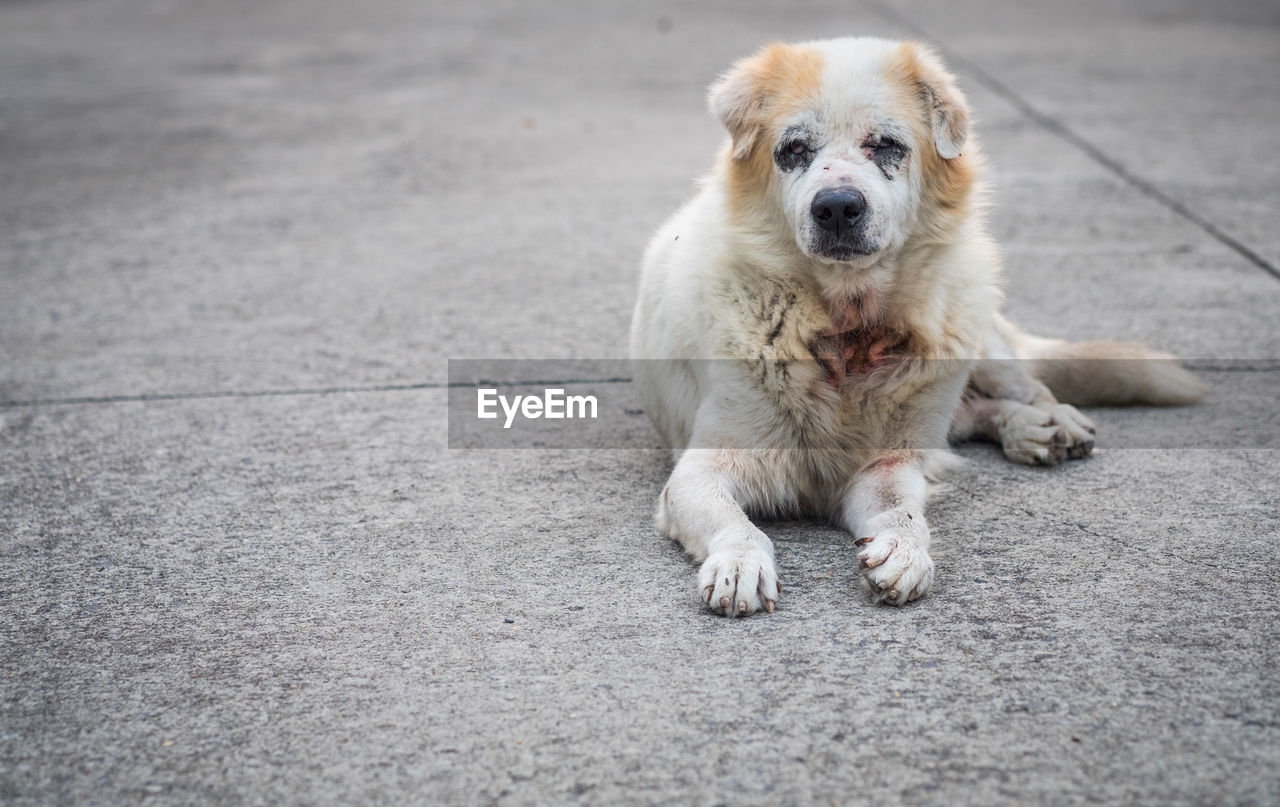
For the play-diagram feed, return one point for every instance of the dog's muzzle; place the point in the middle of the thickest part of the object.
(840, 214)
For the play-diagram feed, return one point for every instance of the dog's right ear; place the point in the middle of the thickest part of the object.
(738, 97)
(945, 105)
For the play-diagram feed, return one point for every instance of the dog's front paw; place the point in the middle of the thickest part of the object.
(1079, 430)
(1032, 437)
(894, 558)
(739, 580)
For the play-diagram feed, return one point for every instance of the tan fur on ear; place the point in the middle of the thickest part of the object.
(745, 97)
(736, 100)
(946, 106)
(941, 116)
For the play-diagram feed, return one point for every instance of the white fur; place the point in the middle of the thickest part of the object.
(735, 316)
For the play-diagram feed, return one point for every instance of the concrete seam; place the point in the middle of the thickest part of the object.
(1065, 133)
(1202, 365)
(150, 397)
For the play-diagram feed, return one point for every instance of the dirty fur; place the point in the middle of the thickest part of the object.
(805, 366)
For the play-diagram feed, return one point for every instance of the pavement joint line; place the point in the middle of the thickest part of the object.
(147, 397)
(1069, 135)
(1234, 366)
(1202, 365)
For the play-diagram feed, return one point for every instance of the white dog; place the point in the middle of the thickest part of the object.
(811, 322)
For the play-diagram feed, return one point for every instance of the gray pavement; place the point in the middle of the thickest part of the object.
(212, 594)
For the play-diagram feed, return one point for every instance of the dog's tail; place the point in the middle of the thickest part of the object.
(1104, 373)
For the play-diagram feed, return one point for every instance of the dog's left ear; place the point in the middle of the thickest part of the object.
(740, 98)
(737, 99)
(944, 104)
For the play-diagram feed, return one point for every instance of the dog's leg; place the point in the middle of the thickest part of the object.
(701, 507)
(1026, 433)
(1007, 405)
(884, 510)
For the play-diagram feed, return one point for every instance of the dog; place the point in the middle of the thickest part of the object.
(817, 324)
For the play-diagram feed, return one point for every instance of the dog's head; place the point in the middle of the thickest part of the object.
(853, 146)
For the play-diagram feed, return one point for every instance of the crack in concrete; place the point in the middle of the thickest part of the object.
(1069, 135)
(147, 397)
(1065, 524)
(1201, 365)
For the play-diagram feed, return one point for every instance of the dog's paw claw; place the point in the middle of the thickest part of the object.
(1079, 430)
(739, 581)
(1035, 437)
(896, 569)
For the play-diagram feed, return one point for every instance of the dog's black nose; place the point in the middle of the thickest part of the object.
(837, 210)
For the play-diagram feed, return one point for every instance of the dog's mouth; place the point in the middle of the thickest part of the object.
(851, 250)
(846, 253)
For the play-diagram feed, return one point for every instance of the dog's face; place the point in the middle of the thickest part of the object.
(853, 145)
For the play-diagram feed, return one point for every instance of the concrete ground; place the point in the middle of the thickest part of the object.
(238, 563)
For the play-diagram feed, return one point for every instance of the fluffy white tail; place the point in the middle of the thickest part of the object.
(1105, 373)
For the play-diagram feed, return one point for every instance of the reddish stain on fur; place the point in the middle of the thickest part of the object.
(855, 352)
(886, 464)
(724, 459)
(849, 314)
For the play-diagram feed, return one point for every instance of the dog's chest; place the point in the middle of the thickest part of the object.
(847, 379)
(850, 355)
(825, 364)
(854, 341)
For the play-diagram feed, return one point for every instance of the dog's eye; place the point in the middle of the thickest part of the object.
(797, 149)
(794, 154)
(888, 154)
(883, 143)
